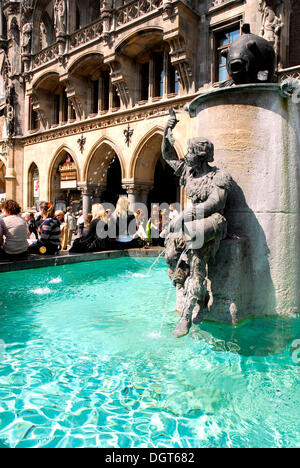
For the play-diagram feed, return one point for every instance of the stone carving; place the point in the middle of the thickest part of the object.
(217, 3)
(128, 134)
(10, 110)
(27, 8)
(46, 56)
(272, 21)
(43, 36)
(60, 18)
(81, 142)
(85, 35)
(135, 10)
(106, 16)
(250, 59)
(189, 249)
(14, 31)
(26, 38)
(102, 122)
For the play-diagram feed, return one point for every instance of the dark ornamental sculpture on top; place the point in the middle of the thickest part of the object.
(250, 59)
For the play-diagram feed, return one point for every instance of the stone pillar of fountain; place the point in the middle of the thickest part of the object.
(256, 133)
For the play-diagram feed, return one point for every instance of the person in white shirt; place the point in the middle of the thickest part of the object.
(70, 220)
(172, 213)
(13, 232)
(80, 223)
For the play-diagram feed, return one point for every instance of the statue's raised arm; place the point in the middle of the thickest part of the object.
(168, 142)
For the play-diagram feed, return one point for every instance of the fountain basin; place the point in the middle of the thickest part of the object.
(85, 362)
(256, 135)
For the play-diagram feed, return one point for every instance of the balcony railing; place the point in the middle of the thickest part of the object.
(87, 34)
(220, 3)
(45, 56)
(293, 72)
(135, 10)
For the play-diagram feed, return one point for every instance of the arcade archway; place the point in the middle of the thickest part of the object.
(64, 181)
(151, 169)
(33, 185)
(105, 174)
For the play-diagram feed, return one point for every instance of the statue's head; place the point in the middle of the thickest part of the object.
(250, 59)
(199, 150)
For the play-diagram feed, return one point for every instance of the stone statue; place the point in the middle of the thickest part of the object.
(250, 59)
(10, 109)
(60, 18)
(272, 21)
(43, 36)
(27, 8)
(188, 251)
(26, 38)
(106, 5)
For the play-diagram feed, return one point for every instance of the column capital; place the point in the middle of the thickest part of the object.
(85, 188)
(134, 186)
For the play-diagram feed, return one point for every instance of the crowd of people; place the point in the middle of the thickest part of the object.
(48, 231)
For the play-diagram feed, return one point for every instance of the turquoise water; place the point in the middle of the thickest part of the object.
(88, 360)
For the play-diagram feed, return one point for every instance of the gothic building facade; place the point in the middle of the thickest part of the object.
(86, 86)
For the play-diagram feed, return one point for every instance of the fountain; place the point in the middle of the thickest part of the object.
(254, 126)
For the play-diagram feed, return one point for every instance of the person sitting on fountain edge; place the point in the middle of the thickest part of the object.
(204, 223)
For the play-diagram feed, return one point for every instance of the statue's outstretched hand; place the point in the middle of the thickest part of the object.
(173, 121)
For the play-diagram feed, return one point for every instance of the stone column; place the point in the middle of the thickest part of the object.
(137, 193)
(86, 198)
(10, 176)
(131, 192)
(144, 192)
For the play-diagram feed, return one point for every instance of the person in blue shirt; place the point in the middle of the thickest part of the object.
(50, 234)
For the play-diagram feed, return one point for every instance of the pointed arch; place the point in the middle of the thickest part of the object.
(84, 57)
(153, 35)
(43, 13)
(49, 75)
(53, 179)
(147, 153)
(104, 143)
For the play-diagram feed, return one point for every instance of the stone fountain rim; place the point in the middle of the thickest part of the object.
(191, 108)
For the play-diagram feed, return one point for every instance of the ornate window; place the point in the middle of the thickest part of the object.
(62, 109)
(158, 76)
